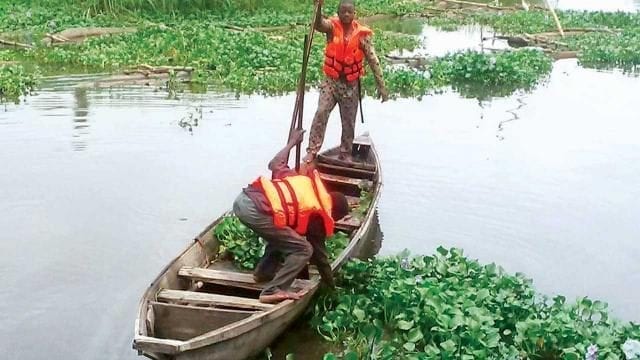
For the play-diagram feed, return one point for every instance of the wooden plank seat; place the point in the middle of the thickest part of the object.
(230, 278)
(353, 201)
(346, 171)
(201, 298)
(333, 160)
(343, 180)
(348, 223)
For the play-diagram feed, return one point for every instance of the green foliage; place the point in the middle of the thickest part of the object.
(609, 50)
(521, 22)
(472, 74)
(16, 82)
(198, 34)
(447, 306)
(507, 71)
(336, 243)
(366, 197)
(246, 248)
(238, 241)
(619, 47)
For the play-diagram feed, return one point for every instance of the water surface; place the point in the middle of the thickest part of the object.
(99, 189)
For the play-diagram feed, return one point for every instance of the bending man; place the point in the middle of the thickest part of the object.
(294, 214)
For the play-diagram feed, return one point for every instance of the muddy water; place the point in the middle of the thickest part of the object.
(100, 188)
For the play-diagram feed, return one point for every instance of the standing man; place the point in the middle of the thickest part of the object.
(348, 43)
(294, 214)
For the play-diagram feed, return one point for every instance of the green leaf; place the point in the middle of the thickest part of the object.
(448, 346)
(409, 346)
(405, 325)
(351, 355)
(415, 335)
(570, 354)
(482, 294)
(359, 314)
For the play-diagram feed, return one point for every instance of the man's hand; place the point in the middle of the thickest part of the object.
(384, 95)
(296, 137)
(329, 284)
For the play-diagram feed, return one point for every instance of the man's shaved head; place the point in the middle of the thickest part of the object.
(346, 11)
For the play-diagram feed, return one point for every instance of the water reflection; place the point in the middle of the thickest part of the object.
(80, 119)
(435, 42)
(514, 112)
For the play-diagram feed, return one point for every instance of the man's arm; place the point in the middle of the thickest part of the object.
(279, 161)
(321, 261)
(374, 64)
(316, 237)
(321, 24)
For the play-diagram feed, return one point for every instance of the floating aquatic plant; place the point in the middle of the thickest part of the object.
(447, 306)
(15, 82)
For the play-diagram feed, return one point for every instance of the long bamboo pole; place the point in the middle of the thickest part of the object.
(555, 17)
(296, 118)
(305, 62)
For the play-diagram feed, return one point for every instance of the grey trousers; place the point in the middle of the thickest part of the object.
(295, 247)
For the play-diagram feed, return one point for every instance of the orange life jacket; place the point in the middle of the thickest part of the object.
(345, 59)
(294, 198)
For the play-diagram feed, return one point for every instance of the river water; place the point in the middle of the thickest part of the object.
(99, 189)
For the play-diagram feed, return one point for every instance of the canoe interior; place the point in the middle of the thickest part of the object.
(200, 294)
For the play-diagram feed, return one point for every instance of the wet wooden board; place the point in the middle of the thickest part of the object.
(346, 164)
(349, 222)
(182, 322)
(349, 171)
(197, 298)
(353, 201)
(343, 180)
(229, 278)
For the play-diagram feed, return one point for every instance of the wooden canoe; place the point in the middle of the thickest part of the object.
(203, 308)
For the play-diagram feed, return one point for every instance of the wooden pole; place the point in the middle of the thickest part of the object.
(555, 17)
(296, 118)
(305, 62)
(16, 44)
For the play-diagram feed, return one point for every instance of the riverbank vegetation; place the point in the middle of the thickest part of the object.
(250, 46)
(15, 82)
(447, 306)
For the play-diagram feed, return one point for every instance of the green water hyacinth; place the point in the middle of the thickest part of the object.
(447, 306)
(239, 242)
(245, 248)
(15, 82)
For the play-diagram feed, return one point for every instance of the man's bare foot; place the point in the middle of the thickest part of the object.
(260, 278)
(308, 158)
(345, 157)
(278, 296)
(307, 165)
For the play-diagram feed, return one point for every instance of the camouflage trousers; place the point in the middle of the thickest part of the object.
(334, 92)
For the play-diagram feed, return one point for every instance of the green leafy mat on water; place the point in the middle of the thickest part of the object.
(226, 44)
(16, 82)
(245, 248)
(447, 306)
